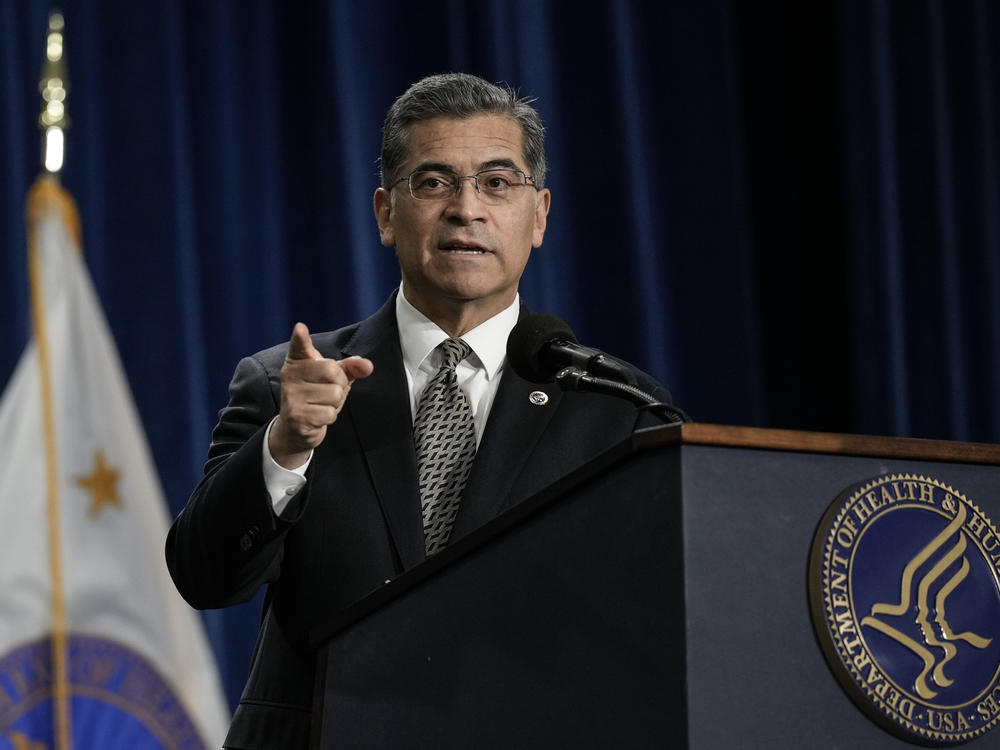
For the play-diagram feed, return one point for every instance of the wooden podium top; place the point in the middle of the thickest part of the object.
(694, 433)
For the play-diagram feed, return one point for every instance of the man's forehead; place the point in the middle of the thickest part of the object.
(466, 141)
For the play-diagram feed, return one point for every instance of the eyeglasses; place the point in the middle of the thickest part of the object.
(494, 186)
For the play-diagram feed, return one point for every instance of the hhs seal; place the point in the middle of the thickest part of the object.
(904, 584)
(117, 700)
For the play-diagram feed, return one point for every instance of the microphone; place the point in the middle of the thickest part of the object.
(541, 345)
(541, 349)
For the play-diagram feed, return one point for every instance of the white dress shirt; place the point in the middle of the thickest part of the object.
(478, 376)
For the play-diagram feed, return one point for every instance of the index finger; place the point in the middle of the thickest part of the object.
(300, 346)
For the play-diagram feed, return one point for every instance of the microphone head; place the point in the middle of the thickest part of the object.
(527, 342)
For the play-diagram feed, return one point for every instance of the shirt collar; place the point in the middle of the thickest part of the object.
(419, 336)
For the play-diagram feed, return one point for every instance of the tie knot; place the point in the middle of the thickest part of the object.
(454, 351)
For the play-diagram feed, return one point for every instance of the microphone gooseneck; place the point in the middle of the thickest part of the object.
(572, 379)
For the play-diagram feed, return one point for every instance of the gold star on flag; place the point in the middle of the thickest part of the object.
(101, 484)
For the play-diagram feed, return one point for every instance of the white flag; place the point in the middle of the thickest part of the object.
(97, 650)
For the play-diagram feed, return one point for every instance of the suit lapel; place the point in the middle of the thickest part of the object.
(380, 412)
(514, 427)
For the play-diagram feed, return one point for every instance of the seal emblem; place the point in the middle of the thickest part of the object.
(904, 586)
(117, 699)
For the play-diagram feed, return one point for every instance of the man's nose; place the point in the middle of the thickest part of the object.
(467, 203)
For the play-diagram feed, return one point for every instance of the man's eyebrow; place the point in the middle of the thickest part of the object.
(498, 164)
(434, 166)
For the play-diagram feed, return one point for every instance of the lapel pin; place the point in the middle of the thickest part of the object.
(538, 398)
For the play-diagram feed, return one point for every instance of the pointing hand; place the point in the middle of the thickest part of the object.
(313, 391)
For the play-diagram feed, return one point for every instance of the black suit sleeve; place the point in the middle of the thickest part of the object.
(227, 541)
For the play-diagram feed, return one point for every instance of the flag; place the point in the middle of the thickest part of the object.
(97, 650)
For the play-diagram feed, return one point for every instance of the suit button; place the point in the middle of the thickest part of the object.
(246, 542)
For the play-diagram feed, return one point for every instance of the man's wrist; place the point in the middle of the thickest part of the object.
(282, 483)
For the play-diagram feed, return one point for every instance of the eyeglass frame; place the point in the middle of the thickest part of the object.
(529, 180)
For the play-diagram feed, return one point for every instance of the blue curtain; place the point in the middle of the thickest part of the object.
(787, 212)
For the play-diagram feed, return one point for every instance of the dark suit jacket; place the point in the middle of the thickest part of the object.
(357, 522)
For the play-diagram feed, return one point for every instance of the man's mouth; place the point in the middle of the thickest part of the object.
(461, 248)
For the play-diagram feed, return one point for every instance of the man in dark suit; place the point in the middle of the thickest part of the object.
(313, 486)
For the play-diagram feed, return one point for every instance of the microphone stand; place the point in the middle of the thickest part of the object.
(574, 379)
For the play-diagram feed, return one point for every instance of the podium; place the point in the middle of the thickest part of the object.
(656, 597)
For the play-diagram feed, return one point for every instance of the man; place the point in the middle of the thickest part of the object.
(314, 484)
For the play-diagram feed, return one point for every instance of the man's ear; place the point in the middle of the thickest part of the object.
(383, 215)
(541, 216)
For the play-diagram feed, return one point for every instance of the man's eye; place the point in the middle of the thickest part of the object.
(432, 182)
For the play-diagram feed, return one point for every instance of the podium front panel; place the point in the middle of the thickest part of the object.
(566, 630)
(757, 677)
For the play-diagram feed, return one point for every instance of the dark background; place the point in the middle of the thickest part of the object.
(788, 212)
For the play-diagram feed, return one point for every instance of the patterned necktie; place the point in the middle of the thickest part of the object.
(445, 437)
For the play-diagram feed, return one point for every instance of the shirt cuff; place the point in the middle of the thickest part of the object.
(282, 484)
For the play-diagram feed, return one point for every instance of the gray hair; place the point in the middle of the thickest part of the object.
(459, 95)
